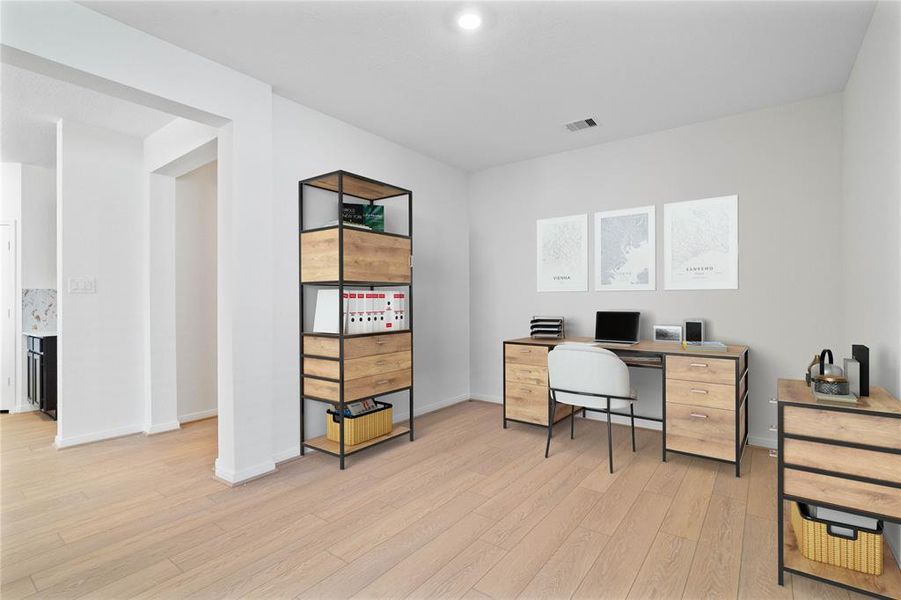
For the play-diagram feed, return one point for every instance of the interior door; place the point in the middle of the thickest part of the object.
(8, 305)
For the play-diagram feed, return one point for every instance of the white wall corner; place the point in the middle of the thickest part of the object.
(233, 477)
(487, 398)
(763, 442)
(197, 416)
(162, 427)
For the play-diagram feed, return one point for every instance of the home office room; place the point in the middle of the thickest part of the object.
(480, 300)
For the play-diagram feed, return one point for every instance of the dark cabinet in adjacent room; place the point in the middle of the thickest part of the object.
(41, 372)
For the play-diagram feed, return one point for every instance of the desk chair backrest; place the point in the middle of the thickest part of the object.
(590, 370)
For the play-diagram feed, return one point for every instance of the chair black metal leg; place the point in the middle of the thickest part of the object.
(572, 423)
(609, 437)
(550, 424)
(632, 418)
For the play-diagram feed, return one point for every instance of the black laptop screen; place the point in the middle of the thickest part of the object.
(616, 326)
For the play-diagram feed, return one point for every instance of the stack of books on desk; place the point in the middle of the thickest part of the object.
(547, 327)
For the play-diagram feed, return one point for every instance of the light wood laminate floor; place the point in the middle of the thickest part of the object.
(468, 510)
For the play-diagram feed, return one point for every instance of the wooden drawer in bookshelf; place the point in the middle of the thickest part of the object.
(873, 430)
(859, 462)
(362, 387)
(356, 347)
(368, 256)
(847, 493)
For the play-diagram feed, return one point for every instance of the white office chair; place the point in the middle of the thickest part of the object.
(590, 378)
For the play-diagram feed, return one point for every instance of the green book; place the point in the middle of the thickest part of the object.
(369, 216)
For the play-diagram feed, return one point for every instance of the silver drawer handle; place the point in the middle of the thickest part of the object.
(383, 382)
(773, 454)
(773, 428)
(773, 401)
(697, 391)
(698, 416)
(379, 363)
(701, 365)
(380, 342)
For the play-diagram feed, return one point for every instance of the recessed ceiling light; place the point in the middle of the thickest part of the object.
(469, 21)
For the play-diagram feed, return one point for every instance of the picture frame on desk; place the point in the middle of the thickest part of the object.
(668, 333)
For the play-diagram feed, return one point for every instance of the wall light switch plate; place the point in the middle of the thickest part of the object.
(82, 285)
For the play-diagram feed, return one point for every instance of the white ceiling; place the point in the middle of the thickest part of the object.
(403, 70)
(31, 104)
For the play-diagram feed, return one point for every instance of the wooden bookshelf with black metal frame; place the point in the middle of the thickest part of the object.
(338, 368)
(843, 457)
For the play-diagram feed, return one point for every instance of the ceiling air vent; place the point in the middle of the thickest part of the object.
(581, 124)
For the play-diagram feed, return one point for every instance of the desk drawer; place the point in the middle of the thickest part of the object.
(709, 395)
(700, 368)
(868, 497)
(843, 426)
(852, 461)
(529, 403)
(527, 374)
(701, 430)
(525, 355)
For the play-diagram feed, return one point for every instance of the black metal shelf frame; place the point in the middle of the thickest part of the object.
(341, 284)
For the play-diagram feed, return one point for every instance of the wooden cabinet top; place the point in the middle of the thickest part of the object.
(641, 347)
(796, 391)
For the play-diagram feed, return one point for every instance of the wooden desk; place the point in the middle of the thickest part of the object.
(839, 456)
(704, 395)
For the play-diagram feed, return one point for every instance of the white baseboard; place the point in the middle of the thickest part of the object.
(294, 452)
(197, 416)
(97, 436)
(162, 427)
(763, 442)
(23, 408)
(487, 398)
(244, 475)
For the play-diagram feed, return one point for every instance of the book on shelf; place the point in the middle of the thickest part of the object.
(367, 216)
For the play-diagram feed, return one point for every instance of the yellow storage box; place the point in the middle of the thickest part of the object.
(854, 548)
(360, 428)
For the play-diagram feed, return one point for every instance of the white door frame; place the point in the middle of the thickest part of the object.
(16, 405)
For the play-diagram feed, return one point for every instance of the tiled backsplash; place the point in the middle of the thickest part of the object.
(39, 310)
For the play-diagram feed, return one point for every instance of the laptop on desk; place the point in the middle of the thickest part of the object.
(616, 328)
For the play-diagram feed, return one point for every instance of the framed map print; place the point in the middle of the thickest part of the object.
(563, 254)
(624, 250)
(700, 244)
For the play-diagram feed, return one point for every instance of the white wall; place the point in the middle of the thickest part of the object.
(11, 212)
(100, 195)
(785, 165)
(195, 288)
(307, 143)
(871, 205)
(72, 42)
(38, 227)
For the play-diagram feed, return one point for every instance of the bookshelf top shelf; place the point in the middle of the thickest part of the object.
(356, 186)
